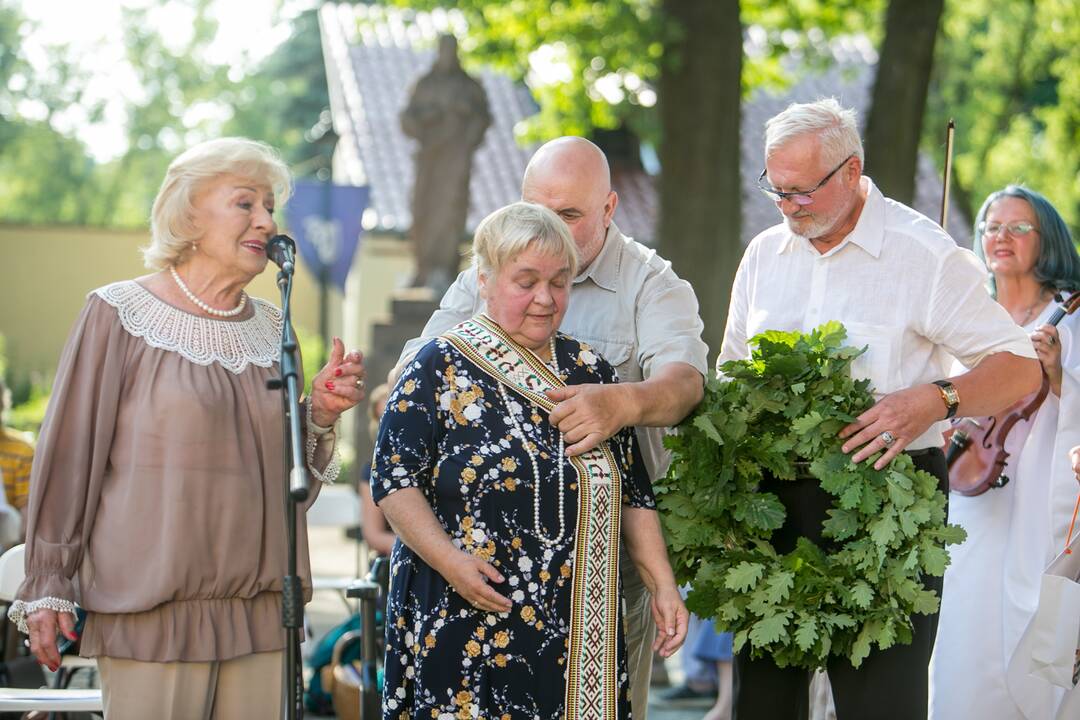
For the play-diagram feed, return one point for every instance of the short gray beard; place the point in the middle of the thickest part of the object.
(810, 230)
(818, 226)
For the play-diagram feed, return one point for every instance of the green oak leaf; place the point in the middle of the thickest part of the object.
(743, 576)
(807, 633)
(861, 594)
(883, 530)
(841, 524)
(934, 559)
(770, 629)
(763, 512)
(778, 586)
(705, 424)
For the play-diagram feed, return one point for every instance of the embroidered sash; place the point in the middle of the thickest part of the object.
(592, 682)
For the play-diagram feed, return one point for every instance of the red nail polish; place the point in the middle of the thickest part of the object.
(337, 372)
(329, 385)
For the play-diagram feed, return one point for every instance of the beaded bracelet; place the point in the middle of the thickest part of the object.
(315, 434)
(314, 428)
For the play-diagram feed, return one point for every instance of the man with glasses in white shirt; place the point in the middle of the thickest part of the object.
(902, 287)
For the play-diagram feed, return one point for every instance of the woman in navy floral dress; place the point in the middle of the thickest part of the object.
(504, 593)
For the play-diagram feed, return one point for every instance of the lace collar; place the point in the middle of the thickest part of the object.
(231, 344)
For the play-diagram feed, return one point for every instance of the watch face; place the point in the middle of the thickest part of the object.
(951, 394)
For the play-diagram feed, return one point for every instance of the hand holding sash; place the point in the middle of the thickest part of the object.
(587, 415)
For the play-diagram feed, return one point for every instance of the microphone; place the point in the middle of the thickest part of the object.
(282, 252)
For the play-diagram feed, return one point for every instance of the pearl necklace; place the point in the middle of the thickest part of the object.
(203, 306)
(536, 468)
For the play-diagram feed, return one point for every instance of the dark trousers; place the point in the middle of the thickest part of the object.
(889, 685)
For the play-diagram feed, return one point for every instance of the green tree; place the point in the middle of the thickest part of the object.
(672, 71)
(1009, 73)
(700, 230)
(894, 126)
(285, 96)
(47, 176)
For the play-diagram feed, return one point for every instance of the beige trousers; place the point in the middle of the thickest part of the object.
(640, 632)
(249, 686)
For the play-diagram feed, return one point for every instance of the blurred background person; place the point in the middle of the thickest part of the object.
(16, 458)
(715, 648)
(373, 526)
(699, 685)
(992, 583)
(501, 601)
(156, 497)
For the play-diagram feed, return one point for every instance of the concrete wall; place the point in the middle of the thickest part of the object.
(46, 272)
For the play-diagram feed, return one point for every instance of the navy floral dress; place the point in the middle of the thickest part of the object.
(446, 431)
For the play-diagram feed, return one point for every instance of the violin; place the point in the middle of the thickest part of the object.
(975, 446)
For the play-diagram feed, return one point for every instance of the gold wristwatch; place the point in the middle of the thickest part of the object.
(949, 395)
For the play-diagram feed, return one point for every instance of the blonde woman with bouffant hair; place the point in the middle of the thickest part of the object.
(156, 497)
(172, 219)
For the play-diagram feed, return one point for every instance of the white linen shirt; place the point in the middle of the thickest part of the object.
(628, 304)
(898, 283)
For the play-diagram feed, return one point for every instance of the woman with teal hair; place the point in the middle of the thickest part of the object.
(1057, 266)
(992, 584)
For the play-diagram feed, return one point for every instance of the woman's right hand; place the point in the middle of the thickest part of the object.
(43, 626)
(1074, 458)
(468, 575)
(1047, 344)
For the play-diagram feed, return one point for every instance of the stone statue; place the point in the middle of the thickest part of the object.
(447, 114)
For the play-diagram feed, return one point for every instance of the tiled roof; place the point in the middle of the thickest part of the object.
(375, 52)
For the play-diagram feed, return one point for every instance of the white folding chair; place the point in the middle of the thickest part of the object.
(336, 506)
(12, 572)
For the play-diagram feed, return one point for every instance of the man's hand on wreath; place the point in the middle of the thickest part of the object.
(901, 416)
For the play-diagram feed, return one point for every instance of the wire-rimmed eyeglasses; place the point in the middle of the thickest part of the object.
(801, 197)
(1014, 229)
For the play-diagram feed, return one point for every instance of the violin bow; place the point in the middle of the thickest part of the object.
(950, 130)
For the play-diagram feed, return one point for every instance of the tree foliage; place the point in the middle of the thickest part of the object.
(898, 105)
(47, 175)
(1009, 72)
(595, 64)
(775, 418)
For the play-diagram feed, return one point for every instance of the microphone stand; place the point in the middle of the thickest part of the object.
(296, 491)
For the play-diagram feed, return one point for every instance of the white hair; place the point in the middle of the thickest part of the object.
(172, 226)
(835, 126)
(510, 230)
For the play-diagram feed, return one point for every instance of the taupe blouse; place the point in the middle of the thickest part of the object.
(157, 493)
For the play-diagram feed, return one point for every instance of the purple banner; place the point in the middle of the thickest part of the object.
(324, 220)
